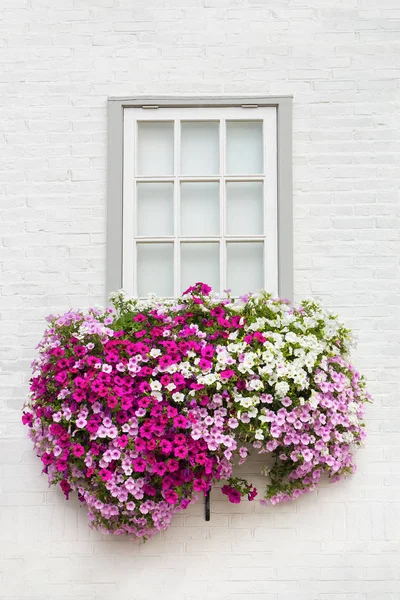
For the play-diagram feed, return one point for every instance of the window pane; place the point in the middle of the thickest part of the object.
(200, 208)
(155, 269)
(244, 204)
(155, 149)
(244, 147)
(155, 209)
(245, 267)
(199, 148)
(200, 262)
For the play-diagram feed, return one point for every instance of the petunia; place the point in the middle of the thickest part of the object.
(180, 451)
(78, 450)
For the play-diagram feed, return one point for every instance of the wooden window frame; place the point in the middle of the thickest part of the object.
(278, 264)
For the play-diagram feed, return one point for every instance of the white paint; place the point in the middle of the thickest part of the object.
(60, 60)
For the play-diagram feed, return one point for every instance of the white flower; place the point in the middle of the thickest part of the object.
(237, 348)
(244, 369)
(281, 388)
(259, 434)
(348, 437)
(258, 324)
(178, 397)
(233, 335)
(208, 379)
(313, 400)
(291, 337)
(246, 402)
(353, 419)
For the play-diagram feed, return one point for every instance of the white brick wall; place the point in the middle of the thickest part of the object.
(59, 61)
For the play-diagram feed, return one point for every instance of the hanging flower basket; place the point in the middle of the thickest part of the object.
(141, 408)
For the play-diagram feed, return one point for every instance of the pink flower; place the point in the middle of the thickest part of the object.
(105, 474)
(208, 351)
(252, 494)
(165, 379)
(78, 450)
(205, 364)
(165, 447)
(227, 374)
(123, 441)
(65, 486)
(27, 419)
(199, 485)
(180, 451)
(286, 401)
(180, 422)
(233, 494)
(159, 468)
(171, 497)
(139, 318)
(139, 465)
(172, 465)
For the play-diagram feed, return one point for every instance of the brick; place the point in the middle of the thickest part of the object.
(60, 62)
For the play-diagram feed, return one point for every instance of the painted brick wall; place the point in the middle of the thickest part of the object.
(340, 59)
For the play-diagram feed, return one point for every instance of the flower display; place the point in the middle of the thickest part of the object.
(142, 407)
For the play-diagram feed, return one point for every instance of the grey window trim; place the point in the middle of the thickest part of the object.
(116, 106)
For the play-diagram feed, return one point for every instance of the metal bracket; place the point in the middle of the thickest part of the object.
(207, 506)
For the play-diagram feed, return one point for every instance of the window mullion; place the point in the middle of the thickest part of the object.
(270, 202)
(222, 214)
(128, 243)
(177, 251)
(134, 162)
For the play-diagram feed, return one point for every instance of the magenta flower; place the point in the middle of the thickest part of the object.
(27, 419)
(180, 452)
(181, 422)
(233, 495)
(227, 374)
(139, 465)
(78, 450)
(105, 474)
(171, 497)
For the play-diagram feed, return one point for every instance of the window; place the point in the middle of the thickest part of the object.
(196, 193)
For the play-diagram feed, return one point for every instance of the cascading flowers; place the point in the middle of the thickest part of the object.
(140, 408)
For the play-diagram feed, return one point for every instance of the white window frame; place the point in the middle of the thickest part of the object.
(277, 236)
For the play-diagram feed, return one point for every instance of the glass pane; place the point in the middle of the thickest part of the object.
(200, 209)
(155, 149)
(199, 148)
(200, 262)
(244, 147)
(155, 269)
(155, 209)
(244, 205)
(245, 267)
